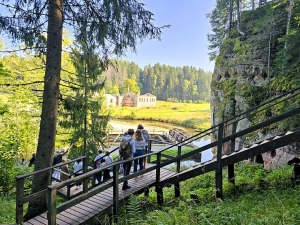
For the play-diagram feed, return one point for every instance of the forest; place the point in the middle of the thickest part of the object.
(166, 82)
(52, 88)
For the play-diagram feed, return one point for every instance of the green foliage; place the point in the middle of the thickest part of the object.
(3, 72)
(130, 85)
(168, 83)
(83, 111)
(7, 209)
(253, 95)
(134, 212)
(227, 105)
(9, 170)
(257, 191)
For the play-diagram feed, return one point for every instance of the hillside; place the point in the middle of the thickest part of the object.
(257, 60)
(260, 197)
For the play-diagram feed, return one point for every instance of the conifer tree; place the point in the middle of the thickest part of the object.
(114, 24)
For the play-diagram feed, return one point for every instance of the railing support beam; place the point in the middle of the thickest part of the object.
(51, 215)
(219, 183)
(232, 145)
(19, 200)
(177, 185)
(116, 205)
(159, 189)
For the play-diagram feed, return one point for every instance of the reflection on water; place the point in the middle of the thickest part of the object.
(194, 161)
(207, 154)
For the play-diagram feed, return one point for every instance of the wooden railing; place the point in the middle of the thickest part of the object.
(89, 191)
(22, 199)
(156, 159)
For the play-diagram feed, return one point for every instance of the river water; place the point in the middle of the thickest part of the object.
(122, 125)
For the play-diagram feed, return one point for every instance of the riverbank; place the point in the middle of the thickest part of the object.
(191, 115)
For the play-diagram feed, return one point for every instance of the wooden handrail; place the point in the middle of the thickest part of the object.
(52, 189)
(20, 181)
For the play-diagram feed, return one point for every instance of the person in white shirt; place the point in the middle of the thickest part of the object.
(97, 162)
(127, 165)
(108, 160)
(140, 150)
(78, 170)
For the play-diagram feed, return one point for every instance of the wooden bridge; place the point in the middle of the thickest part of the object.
(83, 205)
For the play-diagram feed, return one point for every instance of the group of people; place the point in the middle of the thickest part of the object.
(103, 159)
(63, 173)
(138, 141)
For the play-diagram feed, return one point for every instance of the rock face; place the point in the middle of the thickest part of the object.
(236, 104)
(240, 81)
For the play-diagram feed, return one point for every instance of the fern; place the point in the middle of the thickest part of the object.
(134, 212)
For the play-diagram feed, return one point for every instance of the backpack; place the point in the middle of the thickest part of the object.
(100, 163)
(125, 149)
(145, 135)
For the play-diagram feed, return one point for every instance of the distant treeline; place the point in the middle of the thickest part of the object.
(167, 83)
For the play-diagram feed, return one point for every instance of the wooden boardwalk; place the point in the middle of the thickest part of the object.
(102, 201)
(105, 198)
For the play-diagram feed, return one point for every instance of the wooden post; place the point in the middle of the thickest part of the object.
(219, 183)
(146, 191)
(69, 191)
(160, 195)
(116, 205)
(51, 215)
(19, 200)
(232, 145)
(159, 190)
(177, 185)
(86, 180)
(94, 177)
(149, 150)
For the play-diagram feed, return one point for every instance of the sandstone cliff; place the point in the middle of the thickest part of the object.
(247, 72)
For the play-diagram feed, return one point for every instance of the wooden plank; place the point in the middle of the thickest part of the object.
(91, 206)
(78, 211)
(70, 217)
(102, 198)
(87, 209)
(41, 219)
(78, 214)
(91, 202)
(96, 204)
(33, 221)
(63, 220)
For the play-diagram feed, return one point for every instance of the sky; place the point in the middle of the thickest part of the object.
(185, 42)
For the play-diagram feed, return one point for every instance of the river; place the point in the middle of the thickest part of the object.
(124, 125)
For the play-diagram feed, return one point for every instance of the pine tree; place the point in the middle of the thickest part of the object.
(114, 24)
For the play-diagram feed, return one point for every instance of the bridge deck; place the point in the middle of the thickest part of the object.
(102, 201)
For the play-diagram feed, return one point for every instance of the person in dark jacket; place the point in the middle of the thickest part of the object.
(32, 160)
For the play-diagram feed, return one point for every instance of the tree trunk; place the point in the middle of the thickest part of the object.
(289, 16)
(46, 142)
(238, 22)
(230, 15)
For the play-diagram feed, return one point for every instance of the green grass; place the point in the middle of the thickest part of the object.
(184, 114)
(8, 209)
(260, 197)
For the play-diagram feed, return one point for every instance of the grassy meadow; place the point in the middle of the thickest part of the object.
(190, 115)
(259, 197)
